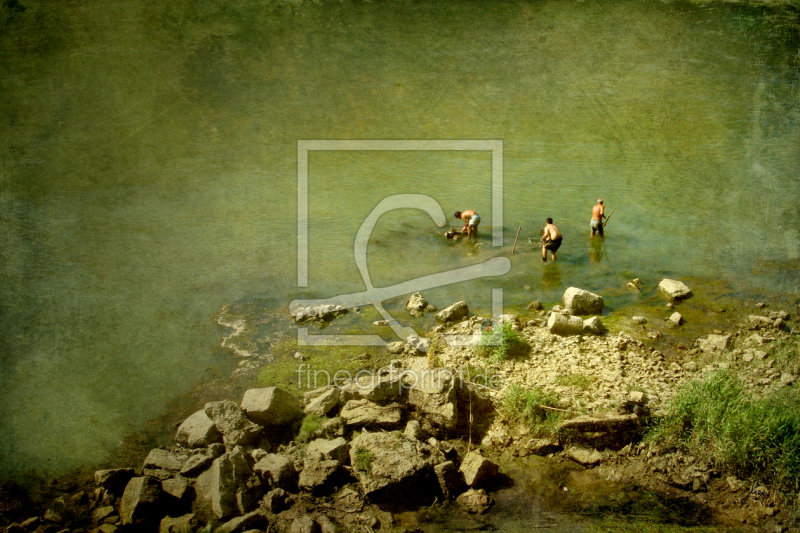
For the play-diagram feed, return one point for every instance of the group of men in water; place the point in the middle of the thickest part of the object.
(551, 237)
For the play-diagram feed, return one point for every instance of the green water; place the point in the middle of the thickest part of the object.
(149, 172)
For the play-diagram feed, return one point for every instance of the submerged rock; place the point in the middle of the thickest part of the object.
(416, 304)
(474, 501)
(674, 289)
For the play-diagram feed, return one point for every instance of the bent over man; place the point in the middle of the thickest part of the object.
(551, 240)
(471, 220)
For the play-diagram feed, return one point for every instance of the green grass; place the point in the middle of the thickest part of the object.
(716, 419)
(579, 381)
(786, 357)
(619, 525)
(501, 343)
(363, 459)
(526, 407)
(310, 424)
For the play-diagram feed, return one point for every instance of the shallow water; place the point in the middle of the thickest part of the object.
(149, 172)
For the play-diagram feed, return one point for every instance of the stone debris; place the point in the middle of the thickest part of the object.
(674, 289)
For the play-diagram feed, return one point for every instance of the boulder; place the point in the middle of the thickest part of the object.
(321, 403)
(181, 524)
(159, 459)
(674, 289)
(195, 465)
(141, 502)
(416, 304)
(593, 326)
(233, 423)
(275, 501)
(432, 394)
(477, 469)
(543, 447)
(585, 457)
(114, 480)
(271, 406)
(197, 431)
(420, 344)
(304, 524)
(365, 413)
(216, 487)
(454, 313)
(178, 489)
(414, 430)
(382, 387)
(326, 312)
(450, 478)
(758, 322)
(675, 318)
(337, 449)
(319, 475)
(396, 347)
(386, 463)
(713, 342)
(277, 470)
(254, 520)
(564, 325)
(583, 302)
(474, 501)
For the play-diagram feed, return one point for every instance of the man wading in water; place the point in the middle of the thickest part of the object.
(471, 220)
(551, 240)
(598, 212)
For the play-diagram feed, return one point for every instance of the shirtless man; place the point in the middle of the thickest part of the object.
(471, 220)
(551, 240)
(598, 212)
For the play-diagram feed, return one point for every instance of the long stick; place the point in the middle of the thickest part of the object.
(609, 216)
(515, 241)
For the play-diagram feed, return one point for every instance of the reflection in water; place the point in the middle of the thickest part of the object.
(551, 275)
(596, 250)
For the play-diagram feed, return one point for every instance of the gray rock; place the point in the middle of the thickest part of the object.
(254, 520)
(322, 403)
(197, 431)
(593, 326)
(387, 462)
(758, 322)
(474, 501)
(713, 343)
(585, 457)
(675, 318)
(381, 388)
(304, 524)
(233, 423)
(416, 304)
(413, 430)
(215, 450)
(674, 289)
(365, 413)
(271, 406)
(432, 394)
(165, 460)
(639, 320)
(477, 469)
(216, 487)
(178, 488)
(583, 302)
(454, 313)
(325, 312)
(195, 465)
(564, 325)
(277, 470)
(141, 502)
(319, 475)
(114, 480)
(326, 525)
(508, 318)
(395, 348)
(336, 449)
(182, 524)
(420, 344)
(274, 501)
(451, 480)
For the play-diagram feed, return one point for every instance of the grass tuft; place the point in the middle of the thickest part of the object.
(310, 424)
(501, 343)
(526, 406)
(363, 459)
(579, 381)
(716, 419)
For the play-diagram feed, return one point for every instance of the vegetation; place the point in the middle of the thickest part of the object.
(579, 381)
(310, 424)
(716, 419)
(501, 343)
(363, 458)
(786, 357)
(528, 407)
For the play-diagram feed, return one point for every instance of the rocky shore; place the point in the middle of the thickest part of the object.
(433, 428)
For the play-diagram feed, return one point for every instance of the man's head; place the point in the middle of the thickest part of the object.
(549, 220)
(457, 214)
(600, 201)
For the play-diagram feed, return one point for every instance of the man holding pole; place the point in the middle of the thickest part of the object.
(598, 212)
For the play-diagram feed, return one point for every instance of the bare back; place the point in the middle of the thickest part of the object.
(551, 232)
(467, 215)
(598, 211)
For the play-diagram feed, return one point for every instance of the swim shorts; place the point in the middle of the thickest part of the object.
(553, 246)
(475, 220)
(596, 225)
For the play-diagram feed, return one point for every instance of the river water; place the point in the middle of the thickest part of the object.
(150, 172)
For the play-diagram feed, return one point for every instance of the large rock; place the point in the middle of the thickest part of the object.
(337, 449)
(271, 406)
(197, 431)
(474, 501)
(277, 470)
(304, 524)
(114, 480)
(477, 469)
(583, 302)
(164, 460)
(254, 520)
(233, 423)
(585, 457)
(565, 325)
(450, 478)
(454, 313)
(141, 502)
(195, 465)
(390, 466)
(365, 413)
(382, 387)
(593, 326)
(325, 312)
(674, 289)
(178, 489)
(319, 475)
(432, 394)
(416, 304)
(216, 487)
(713, 342)
(187, 522)
(322, 402)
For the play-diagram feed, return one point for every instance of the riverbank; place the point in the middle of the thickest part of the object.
(565, 421)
